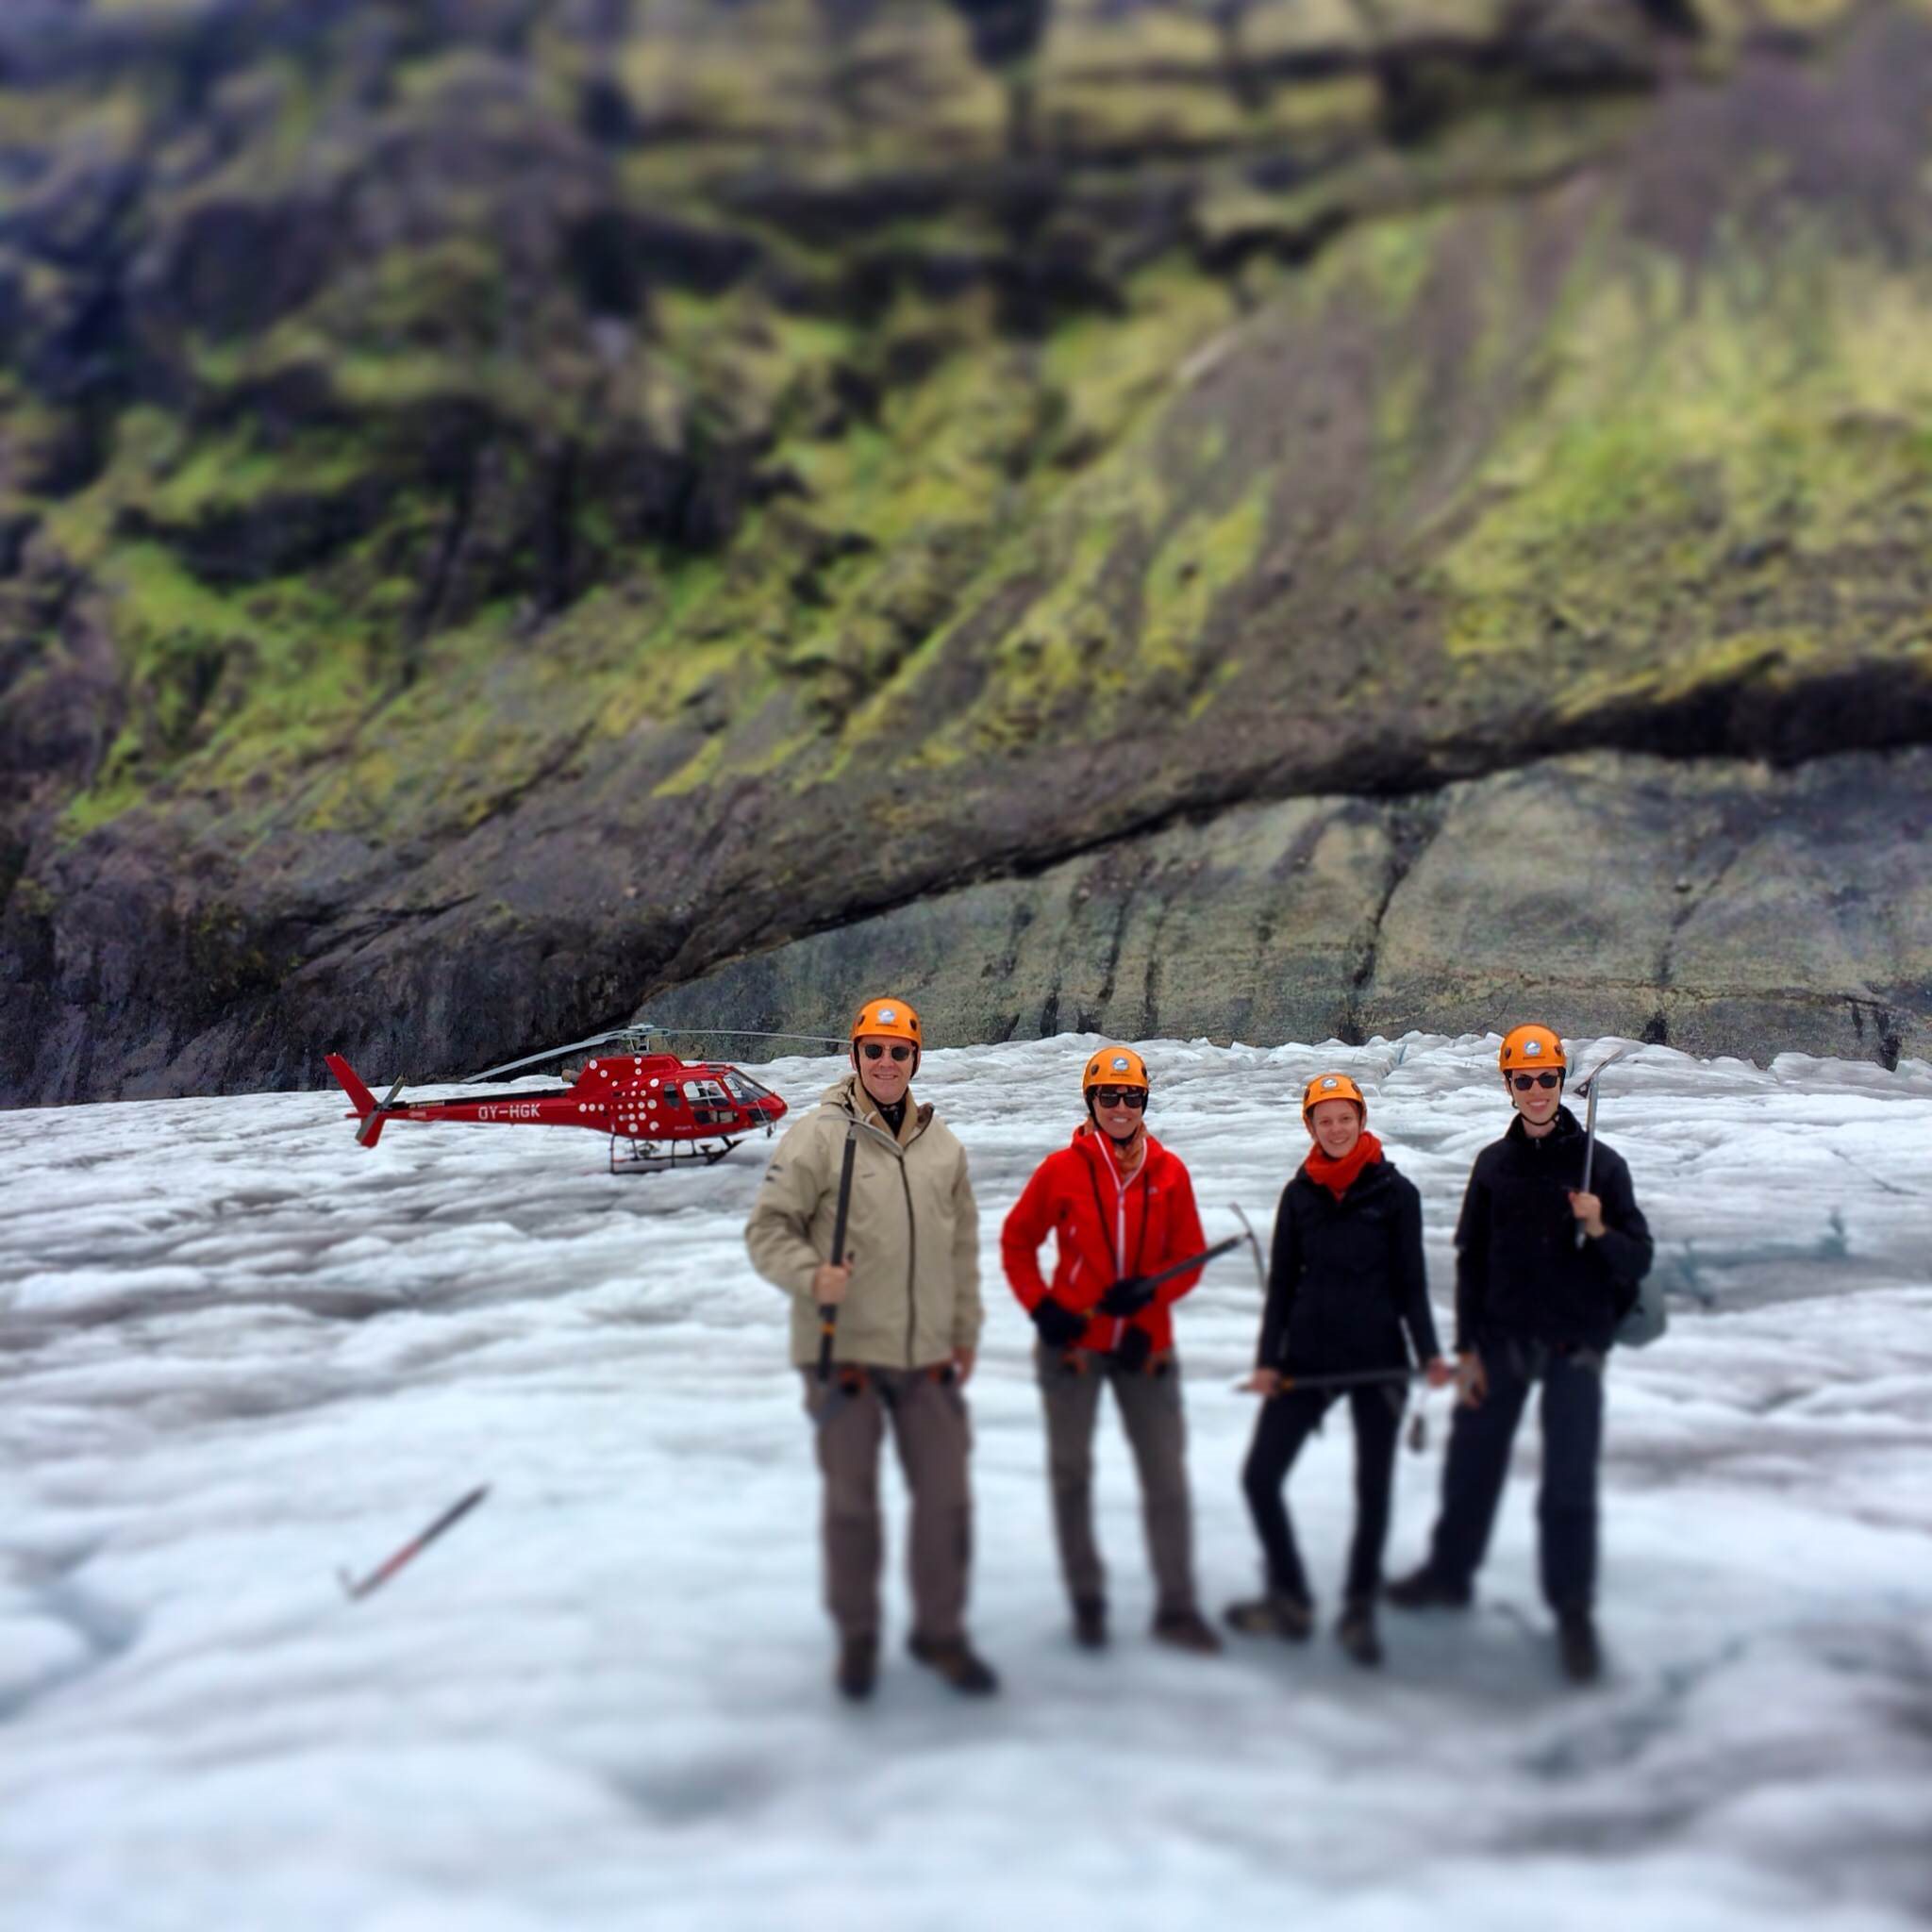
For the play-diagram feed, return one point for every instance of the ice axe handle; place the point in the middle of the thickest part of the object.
(1200, 1260)
(1589, 1149)
(1589, 1092)
(829, 1311)
(380, 1575)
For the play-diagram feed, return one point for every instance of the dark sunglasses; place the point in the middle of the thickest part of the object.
(874, 1051)
(1523, 1082)
(1119, 1096)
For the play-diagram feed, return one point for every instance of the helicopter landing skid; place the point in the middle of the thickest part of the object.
(664, 1156)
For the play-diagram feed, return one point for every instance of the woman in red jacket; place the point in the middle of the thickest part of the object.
(1121, 1207)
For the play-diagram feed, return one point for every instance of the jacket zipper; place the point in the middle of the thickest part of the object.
(1120, 1232)
(911, 1234)
(912, 1266)
(911, 1253)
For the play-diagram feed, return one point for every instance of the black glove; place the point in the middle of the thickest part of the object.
(1135, 1348)
(1127, 1296)
(1059, 1326)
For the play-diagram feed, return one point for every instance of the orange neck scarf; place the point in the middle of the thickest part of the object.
(1338, 1176)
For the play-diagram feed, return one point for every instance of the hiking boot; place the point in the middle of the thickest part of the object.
(1186, 1630)
(1354, 1630)
(1090, 1622)
(1277, 1614)
(1426, 1590)
(953, 1658)
(859, 1666)
(1583, 1661)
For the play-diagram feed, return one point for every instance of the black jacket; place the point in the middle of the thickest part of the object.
(1347, 1276)
(1519, 1273)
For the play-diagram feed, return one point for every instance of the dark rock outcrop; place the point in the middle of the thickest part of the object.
(1723, 908)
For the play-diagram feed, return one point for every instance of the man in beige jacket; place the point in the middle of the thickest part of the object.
(903, 1311)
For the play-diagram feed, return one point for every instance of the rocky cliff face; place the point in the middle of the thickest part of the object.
(1366, 515)
(1710, 905)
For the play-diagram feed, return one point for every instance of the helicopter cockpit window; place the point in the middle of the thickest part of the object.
(710, 1106)
(745, 1089)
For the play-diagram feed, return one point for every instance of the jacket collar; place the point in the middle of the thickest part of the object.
(1086, 1142)
(1371, 1180)
(849, 1096)
(1565, 1129)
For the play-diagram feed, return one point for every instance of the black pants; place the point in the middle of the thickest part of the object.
(1480, 1440)
(1285, 1422)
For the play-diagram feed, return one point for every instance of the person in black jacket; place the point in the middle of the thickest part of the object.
(1533, 1303)
(1345, 1283)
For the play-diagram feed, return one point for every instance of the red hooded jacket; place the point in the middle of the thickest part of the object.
(1105, 1231)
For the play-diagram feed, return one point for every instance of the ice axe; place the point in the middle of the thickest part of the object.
(1354, 1378)
(1072, 1357)
(1586, 1088)
(829, 1311)
(1361, 1379)
(1417, 1433)
(1200, 1260)
(1253, 1247)
(354, 1592)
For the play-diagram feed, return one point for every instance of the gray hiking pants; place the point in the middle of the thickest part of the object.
(932, 1435)
(1150, 1407)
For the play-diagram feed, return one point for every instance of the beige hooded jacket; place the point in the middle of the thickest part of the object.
(911, 1235)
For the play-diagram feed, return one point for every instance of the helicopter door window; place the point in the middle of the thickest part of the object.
(710, 1106)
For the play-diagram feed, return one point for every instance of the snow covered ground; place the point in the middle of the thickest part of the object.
(237, 1351)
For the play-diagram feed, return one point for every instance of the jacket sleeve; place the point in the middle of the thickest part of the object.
(1412, 1278)
(1472, 1261)
(1624, 1244)
(1026, 1228)
(1284, 1271)
(778, 1233)
(1184, 1237)
(969, 1312)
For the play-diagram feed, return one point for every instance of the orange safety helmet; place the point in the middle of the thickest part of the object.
(888, 1019)
(1332, 1086)
(1531, 1047)
(1114, 1066)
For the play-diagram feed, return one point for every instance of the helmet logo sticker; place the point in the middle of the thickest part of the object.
(887, 1016)
(1120, 1063)
(1530, 1046)
(1327, 1084)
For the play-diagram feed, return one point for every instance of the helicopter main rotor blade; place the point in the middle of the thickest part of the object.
(641, 1030)
(537, 1059)
(749, 1033)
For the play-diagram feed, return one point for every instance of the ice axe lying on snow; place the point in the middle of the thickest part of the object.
(381, 1574)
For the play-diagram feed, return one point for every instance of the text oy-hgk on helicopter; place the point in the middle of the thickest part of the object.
(659, 1112)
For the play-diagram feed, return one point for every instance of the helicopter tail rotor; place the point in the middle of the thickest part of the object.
(369, 1113)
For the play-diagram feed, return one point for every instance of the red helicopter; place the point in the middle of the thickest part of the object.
(660, 1112)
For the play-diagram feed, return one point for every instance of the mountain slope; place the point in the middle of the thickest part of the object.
(508, 512)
